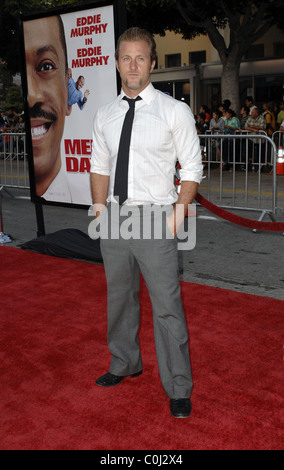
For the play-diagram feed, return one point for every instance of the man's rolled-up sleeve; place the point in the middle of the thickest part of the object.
(187, 145)
(100, 151)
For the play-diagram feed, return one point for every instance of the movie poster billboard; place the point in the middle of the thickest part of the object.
(70, 73)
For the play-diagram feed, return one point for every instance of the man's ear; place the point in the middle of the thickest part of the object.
(152, 66)
(68, 110)
(116, 64)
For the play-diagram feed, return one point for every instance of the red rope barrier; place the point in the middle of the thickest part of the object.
(236, 219)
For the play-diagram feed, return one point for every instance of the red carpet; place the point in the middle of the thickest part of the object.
(53, 346)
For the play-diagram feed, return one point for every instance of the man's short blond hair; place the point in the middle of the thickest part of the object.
(137, 34)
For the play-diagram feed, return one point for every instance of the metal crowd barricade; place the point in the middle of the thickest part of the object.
(278, 138)
(13, 160)
(240, 171)
(248, 182)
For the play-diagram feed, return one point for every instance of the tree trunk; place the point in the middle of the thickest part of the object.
(230, 84)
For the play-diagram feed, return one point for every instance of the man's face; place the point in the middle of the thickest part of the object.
(47, 95)
(135, 66)
(254, 114)
(80, 83)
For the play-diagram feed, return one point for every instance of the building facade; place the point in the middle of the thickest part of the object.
(190, 70)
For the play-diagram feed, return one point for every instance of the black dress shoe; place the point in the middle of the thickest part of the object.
(180, 408)
(109, 380)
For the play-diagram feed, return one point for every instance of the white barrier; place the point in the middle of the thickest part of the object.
(14, 172)
(240, 171)
(248, 157)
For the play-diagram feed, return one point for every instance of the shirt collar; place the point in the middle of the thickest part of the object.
(147, 94)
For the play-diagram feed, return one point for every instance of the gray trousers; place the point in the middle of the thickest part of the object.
(157, 260)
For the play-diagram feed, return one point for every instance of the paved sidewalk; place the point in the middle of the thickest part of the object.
(226, 255)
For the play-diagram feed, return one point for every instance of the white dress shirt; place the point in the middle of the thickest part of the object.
(163, 132)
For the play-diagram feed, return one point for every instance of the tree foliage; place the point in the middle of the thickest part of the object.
(14, 99)
(247, 20)
(6, 81)
(10, 11)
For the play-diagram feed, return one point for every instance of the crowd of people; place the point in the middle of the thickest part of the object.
(11, 121)
(223, 120)
(251, 120)
(270, 118)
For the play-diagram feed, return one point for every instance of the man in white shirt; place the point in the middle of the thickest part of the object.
(250, 104)
(163, 133)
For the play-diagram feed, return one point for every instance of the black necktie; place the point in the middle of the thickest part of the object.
(121, 172)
